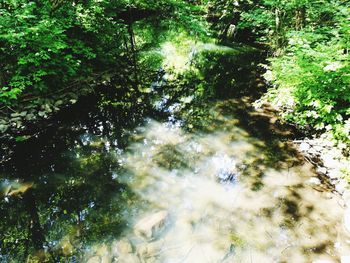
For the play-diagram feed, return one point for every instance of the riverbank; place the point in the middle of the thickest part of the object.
(329, 155)
(19, 121)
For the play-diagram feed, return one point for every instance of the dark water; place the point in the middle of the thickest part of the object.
(179, 176)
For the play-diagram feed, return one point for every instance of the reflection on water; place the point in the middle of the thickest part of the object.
(187, 213)
(213, 182)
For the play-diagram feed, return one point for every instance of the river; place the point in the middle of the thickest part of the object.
(185, 180)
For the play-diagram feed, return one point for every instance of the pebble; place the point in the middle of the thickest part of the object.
(30, 116)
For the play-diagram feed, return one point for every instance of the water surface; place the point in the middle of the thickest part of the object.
(187, 180)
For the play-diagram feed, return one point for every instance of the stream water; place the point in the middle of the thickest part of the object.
(188, 181)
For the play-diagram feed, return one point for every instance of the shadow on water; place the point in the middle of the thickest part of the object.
(60, 186)
(204, 177)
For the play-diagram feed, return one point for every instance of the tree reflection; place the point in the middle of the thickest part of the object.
(62, 193)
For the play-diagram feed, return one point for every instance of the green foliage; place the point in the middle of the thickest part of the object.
(45, 46)
(315, 68)
(309, 43)
(37, 52)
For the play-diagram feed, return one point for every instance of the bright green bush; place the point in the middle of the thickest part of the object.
(38, 50)
(47, 45)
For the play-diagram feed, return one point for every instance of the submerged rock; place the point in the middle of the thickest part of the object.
(149, 250)
(121, 247)
(152, 224)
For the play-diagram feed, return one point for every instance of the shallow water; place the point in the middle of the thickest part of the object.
(213, 182)
(264, 213)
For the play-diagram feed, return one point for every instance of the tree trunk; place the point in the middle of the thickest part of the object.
(277, 28)
(133, 55)
(300, 17)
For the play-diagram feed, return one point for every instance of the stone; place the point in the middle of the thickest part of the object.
(150, 225)
(30, 116)
(58, 103)
(314, 181)
(3, 127)
(15, 115)
(15, 119)
(19, 124)
(121, 247)
(148, 250)
(321, 170)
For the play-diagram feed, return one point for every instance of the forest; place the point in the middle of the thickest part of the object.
(128, 127)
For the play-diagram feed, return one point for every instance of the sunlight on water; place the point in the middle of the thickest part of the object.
(211, 197)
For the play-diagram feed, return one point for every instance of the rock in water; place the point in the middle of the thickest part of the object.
(150, 225)
(121, 247)
(148, 250)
